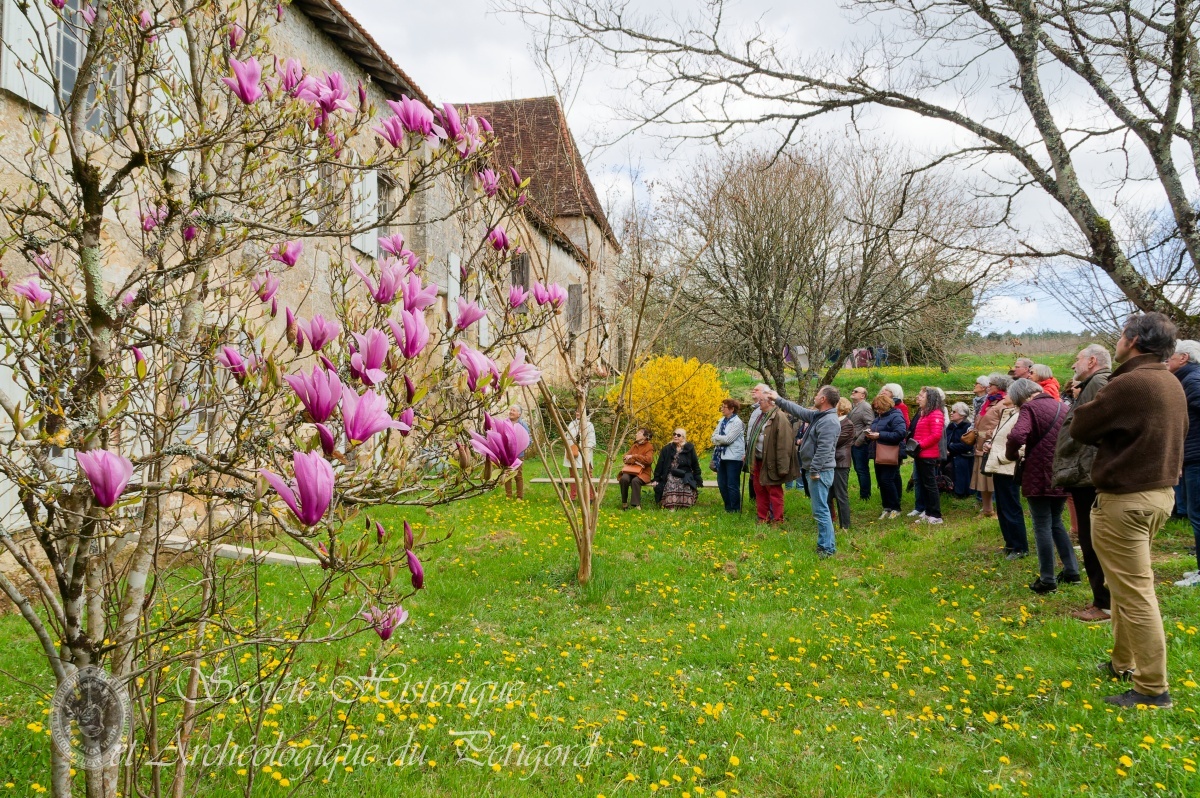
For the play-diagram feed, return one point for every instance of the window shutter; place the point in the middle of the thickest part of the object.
(575, 307)
(174, 79)
(453, 278)
(309, 189)
(23, 71)
(485, 331)
(366, 208)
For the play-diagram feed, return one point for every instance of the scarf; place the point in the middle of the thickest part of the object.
(752, 441)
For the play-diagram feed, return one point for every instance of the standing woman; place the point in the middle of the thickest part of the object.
(927, 437)
(1041, 417)
(729, 453)
(888, 429)
(677, 477)
(840, 490)
(1007, 491)
(985, 424)
(894, 390)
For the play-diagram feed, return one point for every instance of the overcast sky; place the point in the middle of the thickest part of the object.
(463, 51)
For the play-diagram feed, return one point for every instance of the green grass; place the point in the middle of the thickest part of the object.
(960, 377)
(713, 656)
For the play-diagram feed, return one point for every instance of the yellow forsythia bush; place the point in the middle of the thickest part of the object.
(669, 392)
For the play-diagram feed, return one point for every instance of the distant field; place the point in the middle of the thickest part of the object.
(960, 377)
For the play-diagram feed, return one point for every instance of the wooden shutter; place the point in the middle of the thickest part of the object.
(575, 307)
(365, 208)
(23, 70)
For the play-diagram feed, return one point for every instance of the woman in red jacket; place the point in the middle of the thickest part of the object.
(931, 420)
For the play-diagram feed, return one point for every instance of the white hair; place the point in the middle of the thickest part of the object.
(983, 380)
(895, 390)
(1042, 371)
(1189, 348)
(1103, 358)
(961, 408)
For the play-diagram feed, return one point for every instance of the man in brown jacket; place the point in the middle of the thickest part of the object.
(770, 455)
(1137, 423)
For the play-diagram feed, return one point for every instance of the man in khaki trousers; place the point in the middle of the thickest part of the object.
(1138, 422)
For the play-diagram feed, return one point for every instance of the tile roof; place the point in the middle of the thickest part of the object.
(534, 137)
(333, 19)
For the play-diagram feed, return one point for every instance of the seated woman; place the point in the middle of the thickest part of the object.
(677, 477)
(961, 455)
(636, 471)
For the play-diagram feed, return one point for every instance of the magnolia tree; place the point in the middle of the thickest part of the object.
(161, 216)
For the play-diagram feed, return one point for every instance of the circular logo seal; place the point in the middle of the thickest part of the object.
(90, 718)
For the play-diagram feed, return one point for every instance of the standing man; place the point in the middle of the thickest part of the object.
(1138, 424)
(770, 455)
(817, 457)
(1184, 363)
(1073, 470)
(515, 414)
(1022, 370)
(861, 416)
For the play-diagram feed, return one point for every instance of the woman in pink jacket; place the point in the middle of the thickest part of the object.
(931, 419)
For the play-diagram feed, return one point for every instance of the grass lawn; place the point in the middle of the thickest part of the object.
(713, 657)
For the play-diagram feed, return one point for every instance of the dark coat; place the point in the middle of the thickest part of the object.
(892, 430)
(841, 454)
(1189, 378)
(688, 468)
(780, 462)
(1073, 459)
(954, 444)
(1037, 429)
(1138, 424)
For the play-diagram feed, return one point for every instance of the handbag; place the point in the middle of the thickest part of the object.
(715, 463)
(887, 454)
(912, 447)
(969, 437)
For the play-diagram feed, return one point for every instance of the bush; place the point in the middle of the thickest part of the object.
(669, 392)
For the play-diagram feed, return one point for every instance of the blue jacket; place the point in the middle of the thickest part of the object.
(892, 430)
(1189, 377)
(954, 444)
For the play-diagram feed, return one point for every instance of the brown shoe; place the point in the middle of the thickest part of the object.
(1092, 614)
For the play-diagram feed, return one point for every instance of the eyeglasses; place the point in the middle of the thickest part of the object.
(678, 434)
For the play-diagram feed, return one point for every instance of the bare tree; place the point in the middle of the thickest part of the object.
(1042, 91)
(825, 251)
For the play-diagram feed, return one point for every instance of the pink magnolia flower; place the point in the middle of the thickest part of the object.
(151, 217)
(362, 96)
(236, 34)
(478, 366)
(319, 391)
(232, 359)
(89, 14)
(189, 233)
(366, 364)
(107, 472)
(486, 125)
(409, 418)
(408, 536)
(489, 182)
(287, 253)
(145, 20)
(391, 130)
(291, 332)
(279, 12)
(418, 573)
(290, 75)
(556, 295)
(411, 334)
(43, 262)
(393, 244)
(468, 313)
(129, 298)
(410, 390)
(517, 296)
(314, 487)
(329, 94)
(522, 373)
(416, 297)
(390, 275)
(450, 122)
(32, 290)
(328, 442)
(265, 285)
(59, 4)
(380, 533)
(515, 175)
(498, 239)
(319, 331)
(363, 416)
(246, 76)
(471, 139)
(385, 622)
(139, 362)
(414, 117)
(504, 443)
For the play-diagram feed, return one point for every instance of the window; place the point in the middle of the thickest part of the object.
(389, 197)
(575, 307)
(69, 50)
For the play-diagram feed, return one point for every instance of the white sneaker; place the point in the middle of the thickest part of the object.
(894, 514)
(932, 520)
(1189, 581)
(915, 513)
(1186, 574)
(885, 515)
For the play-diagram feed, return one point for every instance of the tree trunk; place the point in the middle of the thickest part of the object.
(584, 574)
